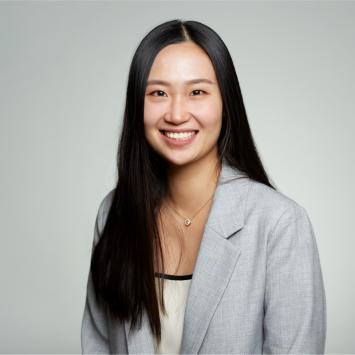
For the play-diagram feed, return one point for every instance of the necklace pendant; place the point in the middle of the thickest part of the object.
(187, 222)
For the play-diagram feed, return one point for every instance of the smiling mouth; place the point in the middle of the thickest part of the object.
(178, 133)
(177, 139)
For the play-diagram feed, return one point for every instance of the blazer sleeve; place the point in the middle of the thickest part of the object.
(94, 329)
(295, 303)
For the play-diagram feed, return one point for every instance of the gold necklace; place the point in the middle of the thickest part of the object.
(188, 221)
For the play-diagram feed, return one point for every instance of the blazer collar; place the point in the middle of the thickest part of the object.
(227, 213)
(216, 260)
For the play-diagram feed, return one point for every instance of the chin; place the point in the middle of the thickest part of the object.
(179, 160)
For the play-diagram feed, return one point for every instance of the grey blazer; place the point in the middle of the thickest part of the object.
(257, 286)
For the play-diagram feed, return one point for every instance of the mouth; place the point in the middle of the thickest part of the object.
(183, 133)
(180, 138)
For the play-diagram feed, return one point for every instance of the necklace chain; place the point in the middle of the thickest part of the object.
(188, 221)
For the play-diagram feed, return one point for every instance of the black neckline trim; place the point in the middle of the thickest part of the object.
(173, 277)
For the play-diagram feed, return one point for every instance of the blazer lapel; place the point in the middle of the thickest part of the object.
(216, 260)
(214, 266)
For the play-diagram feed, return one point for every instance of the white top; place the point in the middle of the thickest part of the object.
(175, 294)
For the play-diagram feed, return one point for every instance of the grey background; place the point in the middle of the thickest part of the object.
(63, 70)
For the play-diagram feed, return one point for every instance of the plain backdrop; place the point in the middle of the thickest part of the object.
(63, 74)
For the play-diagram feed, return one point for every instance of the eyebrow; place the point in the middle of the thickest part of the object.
(193, 81)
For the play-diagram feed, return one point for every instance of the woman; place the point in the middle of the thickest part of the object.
(194, 250)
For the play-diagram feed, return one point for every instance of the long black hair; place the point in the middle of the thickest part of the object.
(123, 260)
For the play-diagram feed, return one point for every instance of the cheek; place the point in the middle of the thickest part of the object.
(147, 122)
(151, 111)
(150, 119)
(211, 114)
(212, 119)
(148, 125)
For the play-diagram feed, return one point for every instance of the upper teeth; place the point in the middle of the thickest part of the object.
(179, 135)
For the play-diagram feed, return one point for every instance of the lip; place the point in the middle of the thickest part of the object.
(175, 130)
(178, 143)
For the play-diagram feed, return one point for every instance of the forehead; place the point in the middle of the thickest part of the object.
(180, 62)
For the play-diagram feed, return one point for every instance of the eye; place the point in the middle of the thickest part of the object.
(159, 91)
(198, 90)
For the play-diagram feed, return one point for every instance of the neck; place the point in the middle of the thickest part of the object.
(191, 185)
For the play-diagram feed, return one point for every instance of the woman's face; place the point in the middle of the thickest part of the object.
(172, 103)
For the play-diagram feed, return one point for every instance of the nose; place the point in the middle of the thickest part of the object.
(178, 112)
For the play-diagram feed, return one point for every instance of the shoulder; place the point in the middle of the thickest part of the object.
(267, 205)
(254, 197)
(266, 196)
